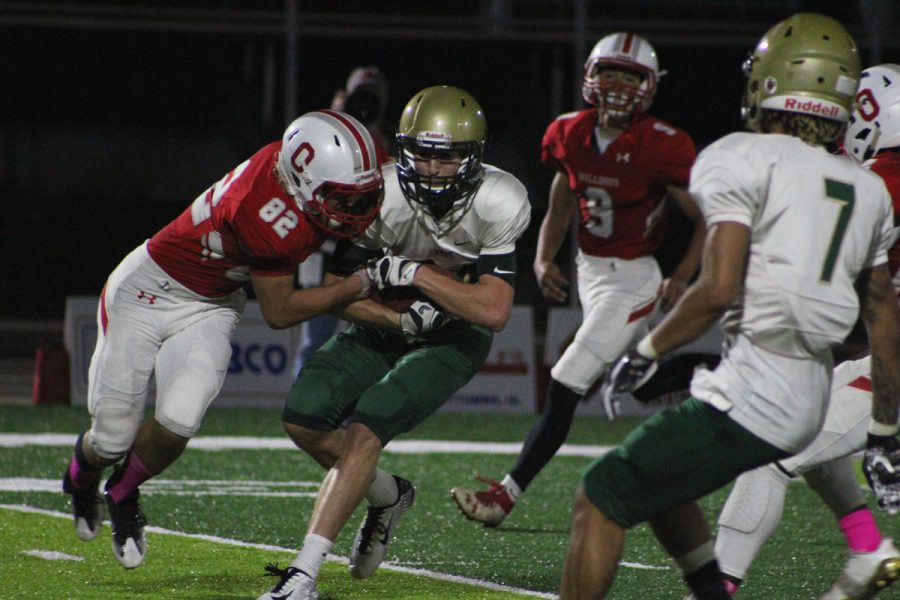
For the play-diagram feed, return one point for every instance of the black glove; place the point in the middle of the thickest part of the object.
(630, 371)
(881, 466)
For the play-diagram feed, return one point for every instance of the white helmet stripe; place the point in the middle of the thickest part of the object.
(366, 161)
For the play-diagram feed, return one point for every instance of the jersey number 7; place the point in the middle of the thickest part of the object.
(843, 194)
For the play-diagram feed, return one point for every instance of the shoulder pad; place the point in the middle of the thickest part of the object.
(500, 197)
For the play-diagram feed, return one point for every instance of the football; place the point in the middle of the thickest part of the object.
(398, 299)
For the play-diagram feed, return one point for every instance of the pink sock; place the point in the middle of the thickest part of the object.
(81, 478)
(134, 473)
(860, 530)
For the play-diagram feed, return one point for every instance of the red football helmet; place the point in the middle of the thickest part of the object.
(328, 164)
(621, 102)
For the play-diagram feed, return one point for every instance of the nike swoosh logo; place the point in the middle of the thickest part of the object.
(385, 538)
(455, 243)
(502, 272)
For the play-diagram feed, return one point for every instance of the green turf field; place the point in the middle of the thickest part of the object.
(262, 499)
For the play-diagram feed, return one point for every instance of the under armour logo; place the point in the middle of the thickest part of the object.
(620, 157)
(151, 299)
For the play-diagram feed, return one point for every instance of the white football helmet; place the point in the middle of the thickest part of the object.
(875, 121)
(625, 51)
(328, 164)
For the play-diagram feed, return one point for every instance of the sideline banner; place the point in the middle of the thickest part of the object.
(259, 374)
(506, 380)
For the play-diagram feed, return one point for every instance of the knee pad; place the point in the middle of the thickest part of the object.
(114, 426)
(756, 496)
(180, 407)
(750, 516)
(578, 368)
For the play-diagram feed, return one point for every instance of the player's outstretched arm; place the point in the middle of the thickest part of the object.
(879, 314)
(673, 287)
(881, 463)
(283, 306)
(704, 302)
(556, 223)
(487, 302)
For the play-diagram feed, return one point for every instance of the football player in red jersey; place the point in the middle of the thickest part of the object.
(616, 165)
(171, 306)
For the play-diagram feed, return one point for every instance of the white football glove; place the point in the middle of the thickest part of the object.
(421, 317)
(628, 373)
(393, 271)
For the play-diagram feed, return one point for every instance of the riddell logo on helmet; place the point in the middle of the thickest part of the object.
(434, 136)
(811, 107)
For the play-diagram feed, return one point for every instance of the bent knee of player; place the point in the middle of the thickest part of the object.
(579, 367)
(362, 439)
(182, 402)
(114, 427)
(309, 440)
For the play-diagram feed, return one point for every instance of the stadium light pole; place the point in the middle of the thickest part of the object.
(291, 39)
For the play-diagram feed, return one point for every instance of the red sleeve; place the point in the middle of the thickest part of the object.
(887, 166)
(552, 150)
(674, 154)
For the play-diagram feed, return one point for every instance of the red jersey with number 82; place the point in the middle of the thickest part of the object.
(246, 223)
(620, 190)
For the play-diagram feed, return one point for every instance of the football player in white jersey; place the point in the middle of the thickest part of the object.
(797, 244)
(449, 225)
(755, 505)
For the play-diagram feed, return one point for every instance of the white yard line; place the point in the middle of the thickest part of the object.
(218, 443)
(267, 547)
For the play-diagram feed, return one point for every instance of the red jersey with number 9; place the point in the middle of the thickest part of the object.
(620, 190)
(244, 224)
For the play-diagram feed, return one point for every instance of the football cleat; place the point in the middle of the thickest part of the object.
(374, 535)
(129, 543)
(488, 507)
(866, 574)
(294, 585)
(86, 507)
(730, 587)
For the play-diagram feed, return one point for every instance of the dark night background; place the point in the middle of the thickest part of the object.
(115, 116)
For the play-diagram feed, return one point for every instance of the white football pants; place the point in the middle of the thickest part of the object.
(147, 322)
(755, 505)
(618, 297)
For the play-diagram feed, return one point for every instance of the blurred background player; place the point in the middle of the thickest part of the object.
(384, 375)
(617, 166)
(797, 244)
(171, 306)
(756, 503)
(364, 97)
